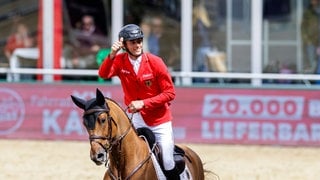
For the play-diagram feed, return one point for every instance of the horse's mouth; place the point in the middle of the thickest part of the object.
(98, 163)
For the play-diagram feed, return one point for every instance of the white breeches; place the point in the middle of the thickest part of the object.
(164, 137)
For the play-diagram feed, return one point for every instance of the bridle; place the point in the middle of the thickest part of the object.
(113, 141)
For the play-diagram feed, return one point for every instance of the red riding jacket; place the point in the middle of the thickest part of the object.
(152, 84)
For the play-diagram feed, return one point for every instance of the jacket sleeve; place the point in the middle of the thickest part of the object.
(108, 68)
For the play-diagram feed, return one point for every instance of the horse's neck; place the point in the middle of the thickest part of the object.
(130, 146)
(131, 142)
(128, 154)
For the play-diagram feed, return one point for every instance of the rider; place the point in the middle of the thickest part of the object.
(148, 89)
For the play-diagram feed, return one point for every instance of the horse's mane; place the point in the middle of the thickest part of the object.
(118, 105)
(146, 132)
(121, 109)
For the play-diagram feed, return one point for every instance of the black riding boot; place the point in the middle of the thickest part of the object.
(173, 174)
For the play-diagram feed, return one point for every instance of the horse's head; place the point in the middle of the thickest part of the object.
(99, 124)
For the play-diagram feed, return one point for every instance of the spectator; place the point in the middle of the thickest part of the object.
(165, 43)
(145, 26)
(201, 24)
(81, 53)
(286, 69)
(310, 35)
(156, 35)
(20, 38)
(273, 66)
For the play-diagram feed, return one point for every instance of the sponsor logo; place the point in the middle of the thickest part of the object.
(12, 111)
(144, 76)
(125, 71)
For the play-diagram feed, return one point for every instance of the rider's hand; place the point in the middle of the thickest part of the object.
(135, 106)
(116, 47)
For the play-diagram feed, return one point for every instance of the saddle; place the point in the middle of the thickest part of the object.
(178, 153)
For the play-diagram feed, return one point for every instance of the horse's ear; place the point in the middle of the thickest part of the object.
(79, 102)
(100, 98)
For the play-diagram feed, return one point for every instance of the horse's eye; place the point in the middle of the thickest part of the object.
(103, 120)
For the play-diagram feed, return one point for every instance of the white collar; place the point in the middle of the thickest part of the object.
(136, 64)
(138, 60)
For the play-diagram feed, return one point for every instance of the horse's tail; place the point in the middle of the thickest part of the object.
(210, 174)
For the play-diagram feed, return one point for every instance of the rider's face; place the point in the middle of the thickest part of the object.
(135, 46)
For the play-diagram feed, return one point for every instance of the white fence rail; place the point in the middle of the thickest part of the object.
(178, 75)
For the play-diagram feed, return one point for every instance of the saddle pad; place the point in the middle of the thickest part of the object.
(157, 167)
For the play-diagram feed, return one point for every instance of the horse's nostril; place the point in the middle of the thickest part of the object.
(100, 155)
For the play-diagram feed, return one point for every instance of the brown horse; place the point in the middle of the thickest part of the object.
(115, 142)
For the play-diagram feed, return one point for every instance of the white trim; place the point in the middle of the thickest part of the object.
(116, 25)
(174, 74)
(47, 41)
(256, 38)
(186, 40)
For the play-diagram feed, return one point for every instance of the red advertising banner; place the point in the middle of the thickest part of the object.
(201, 115)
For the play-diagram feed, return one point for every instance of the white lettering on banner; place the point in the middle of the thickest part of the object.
(269, 131)
(301, 133)
(241, 130)
(314, 108)
(253, 107)
(45, 101)
(51, 101)
(206, 133)
(50, 123)
(228, 130)
(260, 131)
(284, 132)
(316, 132)
(254, 131)
(73, 124)
(7, 117)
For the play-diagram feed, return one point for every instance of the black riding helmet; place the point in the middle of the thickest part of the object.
(130, 32)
